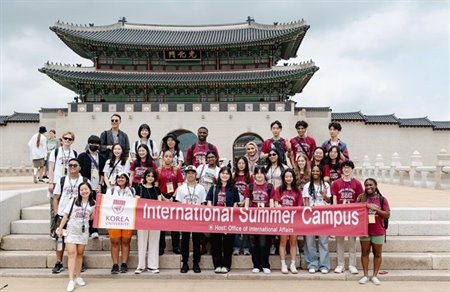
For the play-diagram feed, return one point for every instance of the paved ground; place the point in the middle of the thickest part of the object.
(398, 196)
(48, 284)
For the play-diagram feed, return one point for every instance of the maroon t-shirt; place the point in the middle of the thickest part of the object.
(288, 198)
(198, 156)
(267, 145)
(346, 191)
(140, 170)
(307, 142)
(242, 185)
(335, 172)
(221, 197)
(259, 195)
(377, 228)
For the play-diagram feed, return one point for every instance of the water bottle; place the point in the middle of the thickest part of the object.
(59, 244)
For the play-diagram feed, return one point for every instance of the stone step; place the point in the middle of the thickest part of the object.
(39, 212)
(102, 259)
(393, 244)
(92, 275)
(30, 227)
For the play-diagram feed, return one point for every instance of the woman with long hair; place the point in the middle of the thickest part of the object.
(170, 142)
(148, 240)
(379, 210)
(288, 195)
(138, 167)
(117, 164)
(316, 193)
(77, 215)
(319, 159)
(334, 163)
(144, 133)
(274, 168)
(38, 154)
(241, 179)
(120, 238)
(223, 194)
(302, 170)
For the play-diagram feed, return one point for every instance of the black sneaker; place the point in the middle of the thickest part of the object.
(123, 268)
(184, 269)
(83, 268)
(161, 252)
(197, 269)
(115, 269)
(176, 250)
(58, 268)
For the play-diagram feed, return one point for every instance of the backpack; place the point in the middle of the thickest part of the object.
(386, 220)
(63, 180)
(136, 146)
(269, 190)
(57, 149)
(210, 147)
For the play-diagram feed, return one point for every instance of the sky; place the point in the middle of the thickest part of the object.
(377, 57)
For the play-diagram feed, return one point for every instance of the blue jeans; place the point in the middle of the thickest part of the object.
(314, 260)
(245, 242)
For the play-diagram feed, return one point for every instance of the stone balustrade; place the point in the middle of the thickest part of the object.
(23, 169)
(415, 174)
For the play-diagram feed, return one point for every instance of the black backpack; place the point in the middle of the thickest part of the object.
(57, 149)
(63, 180)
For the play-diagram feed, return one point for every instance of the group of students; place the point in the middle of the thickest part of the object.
(281, 174)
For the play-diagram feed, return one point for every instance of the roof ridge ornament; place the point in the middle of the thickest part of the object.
(122, 20)
(250, 20)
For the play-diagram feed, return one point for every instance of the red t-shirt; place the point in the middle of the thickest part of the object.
(288, 198)
(259, 195)
(377, 228)
(335, 172)
(347, 191)
(267, 145)
(308, 143)
(241, 185)
(167, 176)
(140, 170)
(198, 156)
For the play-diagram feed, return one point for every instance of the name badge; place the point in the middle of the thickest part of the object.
(63, 170)
(371, 218)
(261, 205)
(169, 187)
(94, 173)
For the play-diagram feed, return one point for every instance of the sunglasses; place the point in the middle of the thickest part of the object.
(73, 165)
(114, 121)
(67, 138)
(273, 154)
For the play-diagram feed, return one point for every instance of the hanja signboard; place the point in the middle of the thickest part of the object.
(143, 214)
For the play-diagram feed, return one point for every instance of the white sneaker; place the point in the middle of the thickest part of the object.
(224, 270)
(255, 270)
(363, 280)
(138, 271)
(80, 282)
(266, 271)
(339, 269)
(324, 270)
(236, 252)
(94, 235)
(293, 269)
(353, 269)
(218, 270)
(312, 270)
(71, 286)
(375, 280)
(154, 271)
(284, 269)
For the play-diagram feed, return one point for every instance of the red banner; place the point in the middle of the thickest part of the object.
(142, 214)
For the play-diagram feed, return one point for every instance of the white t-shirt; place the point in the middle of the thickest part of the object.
(118, 192)
(191, 195)
(69, 191)
(205, 175)
(38, 152)
(317, 198)
(138, 142)
(95, 173)
(118, 169)
(61, 162)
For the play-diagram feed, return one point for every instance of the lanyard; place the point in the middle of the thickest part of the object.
(72, 187)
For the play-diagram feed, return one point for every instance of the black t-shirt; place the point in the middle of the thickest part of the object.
(148, 193)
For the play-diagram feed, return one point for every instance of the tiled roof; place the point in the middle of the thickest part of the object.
(351, 116)
(415, 122)
(53, 110)
(441, 125)
(381, 119)
(91, 75)
(183, 36)
(314, 109)
(20, 118)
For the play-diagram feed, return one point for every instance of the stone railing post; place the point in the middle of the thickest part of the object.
(365, 166)
(443, 159)
(379, 164)
(395, 162)
(416, 161)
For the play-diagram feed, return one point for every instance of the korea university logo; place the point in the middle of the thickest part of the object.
(118, 206)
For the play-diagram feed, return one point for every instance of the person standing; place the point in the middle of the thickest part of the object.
(92, 165)
(276, 143)
(77, 214)
(52, 144)
(207, 174)
(38, 153)
(117, 164)
(252, 155)
(379, 210)
(138, 167)
(346, 190)
(144, 133)
(302, 143)
(171, 142)
(148, 240)
(335, 129)
(113, 136)
(222, 194)
(192, 193)
(66, 189)
(316, 193)
(196, 153)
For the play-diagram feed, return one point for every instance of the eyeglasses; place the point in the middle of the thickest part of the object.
(273, 154)
(73, 165)
(67, 138)
(114, 121)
